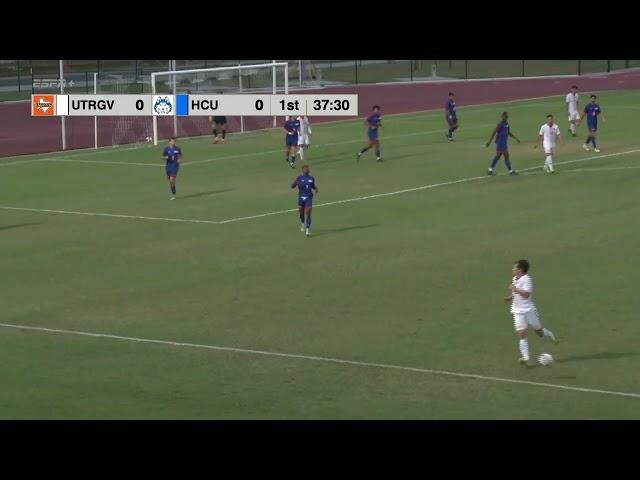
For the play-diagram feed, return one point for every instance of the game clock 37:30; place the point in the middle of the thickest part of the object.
(322, 105)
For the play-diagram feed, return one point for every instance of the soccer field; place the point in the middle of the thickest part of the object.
(215, 306)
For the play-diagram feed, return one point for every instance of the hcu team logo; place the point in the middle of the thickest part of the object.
(162, 106)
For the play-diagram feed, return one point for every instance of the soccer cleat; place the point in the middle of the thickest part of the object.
(585, 146)
(597, 150)
(292, 164)
(172, 198)
(524, 361)
(302, 227)
(573, 134)
(308, 232)
(378, 159)
(513, 172)
(490, 172)
(358, 155)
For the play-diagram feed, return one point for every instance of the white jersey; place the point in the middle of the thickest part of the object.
(520, 304)
(549, 134)
(305, 126)
(572, 103)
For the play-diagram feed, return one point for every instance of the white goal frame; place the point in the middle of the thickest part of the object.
(172, 74)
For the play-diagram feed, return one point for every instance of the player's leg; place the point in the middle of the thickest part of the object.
(593, 140)
(548, 162)
(533, 319)
(494, 162)
(301, 212)
(520, 324)
(224, 132)
(378, 156)
(301, 147)
(172, 184)
(588, 141)
(507, 162)
(365, 149)
(307, 213)
(215, 134)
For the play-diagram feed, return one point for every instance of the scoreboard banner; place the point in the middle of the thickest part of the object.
(194, 105)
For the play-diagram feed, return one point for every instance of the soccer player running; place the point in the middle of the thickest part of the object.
(306, 185)
(292, 129)
(172, 154)
(502, 133)
(451, 116)
(591, 111)
(525, 313)
(572, 109)
(549, 133)
(374, 121)
(219, 123)
(305, 134)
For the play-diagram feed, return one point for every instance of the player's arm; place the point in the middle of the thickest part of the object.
(295, 183)
(493, 134)
(520, 291)
(315, 188)
(179, 156)
(538, 141)
(513, 136)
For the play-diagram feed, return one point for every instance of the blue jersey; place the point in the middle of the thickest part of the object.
(306, 184)
(451, 108)
(173, 154)
(591, 111)
(374, 120)
(292, 127)
(502, 135)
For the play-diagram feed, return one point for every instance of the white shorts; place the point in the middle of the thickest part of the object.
(549, 149)
(303, 140)
(573, 116)
(522, 321)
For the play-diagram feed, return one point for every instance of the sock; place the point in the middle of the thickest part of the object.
(308, 223)
(450, 132)
(593, 140)
(173, 188)
(292, 159)
(524, 348)
(215, 132)
(494, 162)
(301, 152)
(301, 216)
(588, 140)
(508, 163)
(572, 127)
(224, 134)
(548, 333)
(378, 154)
(550, 157)
(363, 150)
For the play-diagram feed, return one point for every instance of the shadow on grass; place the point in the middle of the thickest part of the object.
(343, 229)
(203, 194)
(19, 225)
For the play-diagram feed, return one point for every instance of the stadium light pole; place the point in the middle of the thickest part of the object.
(154, 118)
(175, 117)
(273, 75)
(62, 117)
(240, 89)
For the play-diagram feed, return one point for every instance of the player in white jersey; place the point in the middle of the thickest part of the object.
(525, 313)
(572, 109)
(549, 133)
(305, 134)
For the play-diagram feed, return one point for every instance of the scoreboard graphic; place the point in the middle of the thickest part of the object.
(194, 105)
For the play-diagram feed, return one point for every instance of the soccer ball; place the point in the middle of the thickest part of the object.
(149, 139)
(545, 359)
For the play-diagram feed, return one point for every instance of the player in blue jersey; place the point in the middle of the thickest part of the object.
(591, 112)
(172, 154)
(306, 186)
(451, 116)
(374, 122)
(292, 129)
(502, 133)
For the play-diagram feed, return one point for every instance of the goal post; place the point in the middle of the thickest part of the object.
(270, 78)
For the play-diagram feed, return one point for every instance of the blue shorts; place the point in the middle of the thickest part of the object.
(373, 134)
(305, 202)
(292, 140)
(452, 120)
(592, 126)
(172, 171)
(501, 148)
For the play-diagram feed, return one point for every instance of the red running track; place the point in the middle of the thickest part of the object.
(22, 134)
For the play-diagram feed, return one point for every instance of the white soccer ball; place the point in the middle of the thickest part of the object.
(545, 359)
(149, 139)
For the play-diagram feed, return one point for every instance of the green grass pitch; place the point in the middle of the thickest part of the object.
(412, 280)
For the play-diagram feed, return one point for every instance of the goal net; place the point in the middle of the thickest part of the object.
(271, 78)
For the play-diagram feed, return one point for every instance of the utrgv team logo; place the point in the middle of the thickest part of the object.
(162, 105)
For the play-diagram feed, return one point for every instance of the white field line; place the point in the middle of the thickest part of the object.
(336, 202)
(322, 359)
